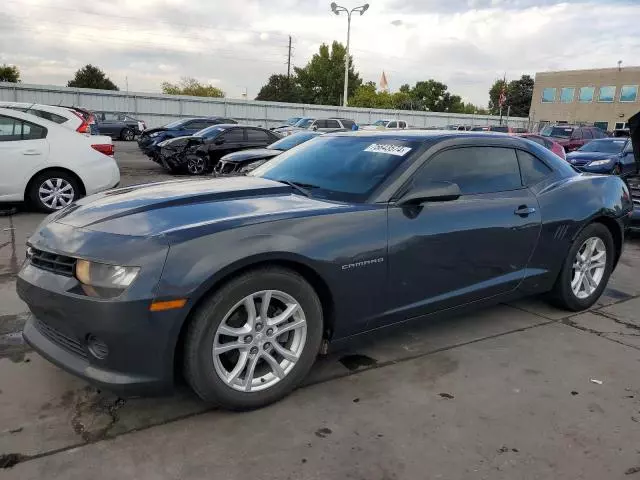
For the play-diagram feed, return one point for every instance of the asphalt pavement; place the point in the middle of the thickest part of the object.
(520, 391)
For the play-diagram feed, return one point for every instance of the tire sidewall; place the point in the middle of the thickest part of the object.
(210, 386)
(568, 298)
(34, 188)
(125, 132)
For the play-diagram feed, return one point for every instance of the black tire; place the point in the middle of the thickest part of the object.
(199, 369)
(127, 135)
(562, 295)
(33, 193)
(617, 170)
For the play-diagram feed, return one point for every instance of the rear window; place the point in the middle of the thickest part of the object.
(559, 132)
(348, 123)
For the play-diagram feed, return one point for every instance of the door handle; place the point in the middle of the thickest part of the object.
(524, 211)
(31, 152)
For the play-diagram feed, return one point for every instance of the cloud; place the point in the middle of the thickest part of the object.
(466, 44)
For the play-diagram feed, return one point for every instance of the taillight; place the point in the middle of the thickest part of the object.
(84, 126)
(104, 149)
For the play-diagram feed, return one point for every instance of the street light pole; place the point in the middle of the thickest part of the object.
(335, 8)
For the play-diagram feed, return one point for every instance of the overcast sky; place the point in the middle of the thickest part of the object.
(237, 44)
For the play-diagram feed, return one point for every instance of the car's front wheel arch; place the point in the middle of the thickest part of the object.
(317, 282)
(53, 170)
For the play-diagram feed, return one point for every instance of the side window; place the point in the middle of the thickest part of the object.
(332, 124)
(392, 125)
(52, 117)
(198, 125)
(321, 123)
(347, 123)
(12, 129)
(234, 135)
(577, 134)
(586, 133)
(475, 169)
(532, 170)
(110, 117)
(254, 135)
(402, 124)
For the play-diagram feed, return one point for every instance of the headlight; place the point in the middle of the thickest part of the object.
(252, 166)
(154, 134)
(103, 275)
(597, 163)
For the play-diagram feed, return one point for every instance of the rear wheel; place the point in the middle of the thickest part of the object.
(586, 270)
(127, 134)
(52, 190)
(197, 165)
(254, 340)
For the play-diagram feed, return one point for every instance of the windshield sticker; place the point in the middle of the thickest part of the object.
(397, 150)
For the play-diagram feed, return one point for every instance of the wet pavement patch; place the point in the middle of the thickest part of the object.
(94, 413)
(447, 396)
(616, 294)
(355, 361)
(323, 432)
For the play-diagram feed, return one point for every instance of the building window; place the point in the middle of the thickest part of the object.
(604, 126)
(586, 94)
(567, 94)
(548, 95)
(607, 94)
(629, 93)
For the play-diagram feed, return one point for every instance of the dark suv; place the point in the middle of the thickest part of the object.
(572, 137)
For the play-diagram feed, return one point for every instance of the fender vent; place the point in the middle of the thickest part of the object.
(561, 231)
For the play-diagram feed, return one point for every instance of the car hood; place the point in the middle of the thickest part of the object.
(169, 208)
(589, 156)
(252, 154)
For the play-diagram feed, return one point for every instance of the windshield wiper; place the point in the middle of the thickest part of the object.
(301, 187)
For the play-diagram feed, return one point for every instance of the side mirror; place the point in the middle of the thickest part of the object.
(218, 141)
(314, 128)
(431, 192)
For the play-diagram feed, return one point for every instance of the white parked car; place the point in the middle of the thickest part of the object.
(386, 125)
(49, 165)
(64, 116)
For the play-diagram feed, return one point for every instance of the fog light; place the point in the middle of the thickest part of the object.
(97, 347)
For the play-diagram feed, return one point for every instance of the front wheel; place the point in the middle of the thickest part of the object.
(127, 134)
(254, 340)
(617, 170)
(197, 165)
(586, 270)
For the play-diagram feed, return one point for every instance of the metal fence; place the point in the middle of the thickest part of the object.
(159, 109)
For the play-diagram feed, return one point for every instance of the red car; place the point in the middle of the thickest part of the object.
(546, 142)
(571, 137)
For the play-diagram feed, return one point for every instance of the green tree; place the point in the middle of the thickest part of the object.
(519, 93)
(91, 77)
(191, 86)
(433, 96)
(322, 79)
(9, 73)
(280, 88)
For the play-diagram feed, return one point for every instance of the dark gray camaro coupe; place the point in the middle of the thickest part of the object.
(238, 282)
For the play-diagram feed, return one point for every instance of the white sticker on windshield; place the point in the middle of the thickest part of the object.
(397, 150)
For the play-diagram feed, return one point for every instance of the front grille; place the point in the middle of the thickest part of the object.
(52, 262)
(59, 338)
(225, 168)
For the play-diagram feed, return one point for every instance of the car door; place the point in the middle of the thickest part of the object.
(575, 141)
(448, 253)
(108, 124)
(629, 165)
(23, 148)
(231, 140)
(392, 125)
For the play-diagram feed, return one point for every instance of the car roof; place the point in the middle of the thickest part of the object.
(28, 117)
(60, 110)
(435, 135)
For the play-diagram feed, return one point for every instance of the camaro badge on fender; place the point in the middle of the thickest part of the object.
(364, 263)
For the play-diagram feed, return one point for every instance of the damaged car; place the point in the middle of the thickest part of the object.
(199, 153)
(243, 162)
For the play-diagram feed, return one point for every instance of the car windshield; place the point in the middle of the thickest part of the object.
(604, 146)
(628, 147)
(209, 132)
(559, 132)
(304, 122)
(292, 140)
(380, 123)
(342, 168)
(292, 121)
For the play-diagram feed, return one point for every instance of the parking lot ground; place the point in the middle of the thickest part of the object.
(515, 391)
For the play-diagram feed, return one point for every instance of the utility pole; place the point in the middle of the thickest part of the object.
(289, 60)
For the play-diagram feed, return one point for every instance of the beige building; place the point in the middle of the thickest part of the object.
(605, 97)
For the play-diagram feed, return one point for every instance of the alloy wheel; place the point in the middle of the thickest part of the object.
(128, 135)
(196, 165)
(56, 193)
(259, 341)
(588, 267)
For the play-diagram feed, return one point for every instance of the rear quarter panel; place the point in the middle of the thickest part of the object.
(566, 207)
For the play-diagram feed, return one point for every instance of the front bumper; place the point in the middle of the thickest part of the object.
(137, 347)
